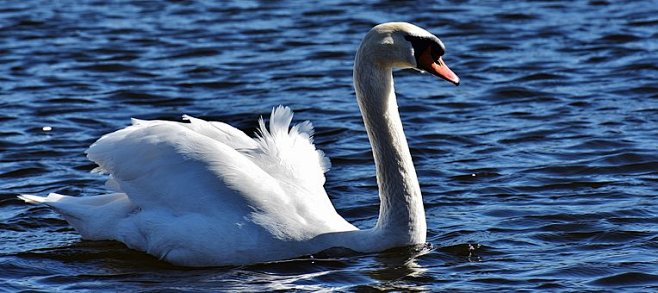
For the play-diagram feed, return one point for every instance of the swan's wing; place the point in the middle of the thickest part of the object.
(168, 165)
(277, 183)
(202, 193)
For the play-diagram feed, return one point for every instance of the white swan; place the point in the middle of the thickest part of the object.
(205, 194)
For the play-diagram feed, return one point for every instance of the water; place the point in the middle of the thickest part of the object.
(539, 172)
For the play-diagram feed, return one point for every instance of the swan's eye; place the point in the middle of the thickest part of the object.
(435, 56)
(420, 44)
(437, 50)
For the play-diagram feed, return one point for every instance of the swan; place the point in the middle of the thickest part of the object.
(206, 194)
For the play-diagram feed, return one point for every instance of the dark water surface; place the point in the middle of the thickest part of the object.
(539, 172)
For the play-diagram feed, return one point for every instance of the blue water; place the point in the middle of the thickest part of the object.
(539, 172)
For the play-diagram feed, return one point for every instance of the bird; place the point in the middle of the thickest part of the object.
(203, 193)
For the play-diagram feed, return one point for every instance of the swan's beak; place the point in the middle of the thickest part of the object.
(438, 67)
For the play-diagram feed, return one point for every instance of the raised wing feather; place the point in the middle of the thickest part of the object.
(289, 154)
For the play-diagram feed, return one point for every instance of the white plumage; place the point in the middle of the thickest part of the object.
(205, 193)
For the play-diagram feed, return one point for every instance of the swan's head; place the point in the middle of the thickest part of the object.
(404, 45)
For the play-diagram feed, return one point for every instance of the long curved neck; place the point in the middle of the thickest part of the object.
(401, 213)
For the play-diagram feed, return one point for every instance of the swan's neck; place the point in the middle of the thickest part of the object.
(401, 213)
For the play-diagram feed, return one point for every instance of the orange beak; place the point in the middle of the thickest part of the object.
(437, 67)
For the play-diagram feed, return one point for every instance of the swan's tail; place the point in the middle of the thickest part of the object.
(94, 216)
(67, 206)
(34, 199)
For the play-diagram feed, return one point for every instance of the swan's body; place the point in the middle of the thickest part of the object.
(204, 193)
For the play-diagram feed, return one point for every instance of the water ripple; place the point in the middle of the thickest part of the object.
(539, 171)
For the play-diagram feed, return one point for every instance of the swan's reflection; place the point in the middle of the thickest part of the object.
(400, 264)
